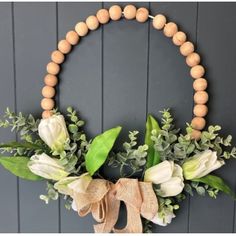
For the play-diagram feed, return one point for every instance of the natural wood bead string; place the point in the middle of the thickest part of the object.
(103, 16)
(186, 48)
(179, 38)
(159, 22)
(64, 46)
(50, 80)
(200, 84)
(115, 12)
(57, 57)
(53, 68)
(72, 37)
(130, 12)
(92, 22)
(200, 110)
(81, 29)
(193, 59)
(48, 92)
(142, 15)
(170, 30)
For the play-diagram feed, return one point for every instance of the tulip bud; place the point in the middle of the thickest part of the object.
(169, 176)
(77, 184)
(47, 167)
(201, 165)
(53, 132)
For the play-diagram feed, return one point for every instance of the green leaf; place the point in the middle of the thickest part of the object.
(217, 183)
(100, 148)
(18, 166)
(25, 145)
(153, 157)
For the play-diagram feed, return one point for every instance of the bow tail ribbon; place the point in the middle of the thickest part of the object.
(102, 198)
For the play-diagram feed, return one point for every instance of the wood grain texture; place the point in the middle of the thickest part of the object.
(115, 76)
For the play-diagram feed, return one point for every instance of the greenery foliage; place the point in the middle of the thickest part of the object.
(164, 142)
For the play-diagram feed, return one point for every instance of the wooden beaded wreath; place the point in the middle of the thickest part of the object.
(159, 22)
(154, 177)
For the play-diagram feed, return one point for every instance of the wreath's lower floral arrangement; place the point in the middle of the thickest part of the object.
(154, 177)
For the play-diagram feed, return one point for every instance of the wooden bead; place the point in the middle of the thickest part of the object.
(200, 110)
(159, 22)
(92, 22)
(201, 97)
(47, 114)
(50, 80)
(198, 123)
(115, 12)
(170, 29)
(130, 12)
(197, 71)
(53, 68)
(193, 59)
(72, 37)
(179, 38)
(200, 84)
(142, 14)
(103, 16)
(48, 92)
(57, 57)
(47, 103)
(64, 46)
(81, 29)
(196, 134)
(186, 48)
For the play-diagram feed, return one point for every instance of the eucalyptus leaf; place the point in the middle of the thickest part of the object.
(100, 148)
(216, 183)
(25, 145)
(153, 156)
(19, 167)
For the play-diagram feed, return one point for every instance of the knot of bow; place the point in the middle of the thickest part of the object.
(102, 198)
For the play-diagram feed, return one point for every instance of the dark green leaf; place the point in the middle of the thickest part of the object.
(18, 166)
(153, 157)
(25, 145)
(217, 183)
(100, 148)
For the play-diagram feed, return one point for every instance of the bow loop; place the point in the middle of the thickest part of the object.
(102, 198)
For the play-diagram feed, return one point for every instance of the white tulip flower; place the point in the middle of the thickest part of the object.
(47, 167)
(168, 175)
(53, 132)
(201, 165)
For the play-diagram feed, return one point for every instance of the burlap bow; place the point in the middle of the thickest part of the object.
(102, 198)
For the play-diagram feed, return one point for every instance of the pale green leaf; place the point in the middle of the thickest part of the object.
(100, 148)
(18, 166)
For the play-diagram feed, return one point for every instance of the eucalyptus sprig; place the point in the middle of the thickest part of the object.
(132, 159)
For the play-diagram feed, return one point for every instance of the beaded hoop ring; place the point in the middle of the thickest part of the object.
(159, 22)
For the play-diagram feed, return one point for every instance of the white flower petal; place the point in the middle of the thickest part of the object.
(159, 173)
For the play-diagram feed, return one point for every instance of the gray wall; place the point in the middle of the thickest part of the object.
(116, 75)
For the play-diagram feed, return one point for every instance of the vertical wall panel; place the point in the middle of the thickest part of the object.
(125, 52)
(170, 85)
(216, 42)
(80, 87)
(35, 36)
(113, 77)
(8, 182)
(125, 70)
